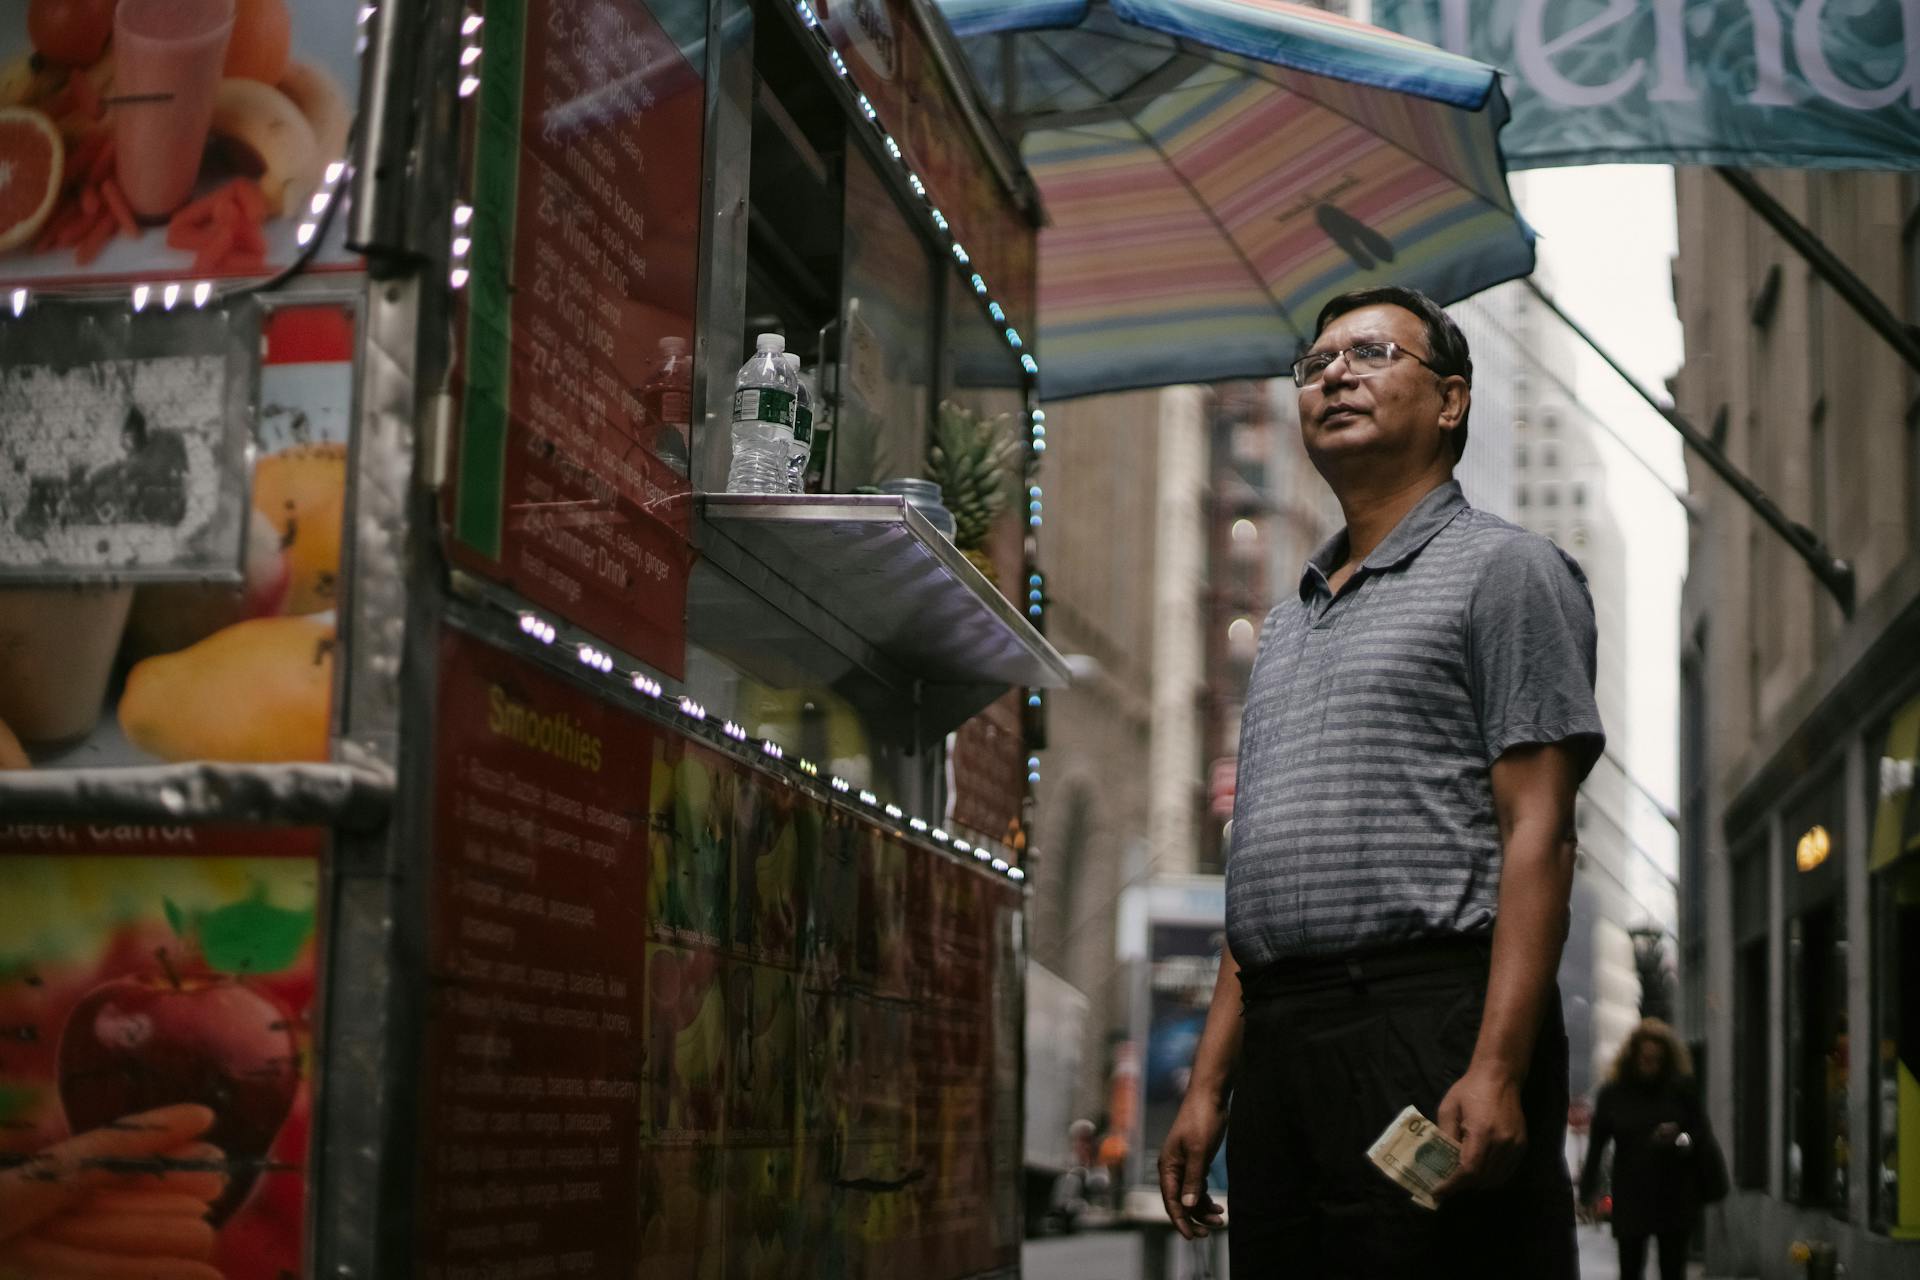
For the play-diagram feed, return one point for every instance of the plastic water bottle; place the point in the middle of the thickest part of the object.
(666, 398)
(802, 430)
(764, 398)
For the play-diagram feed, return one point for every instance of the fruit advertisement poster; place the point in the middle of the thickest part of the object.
(158, 141)
(125, 673)
(824, 1040)
(156, 1064)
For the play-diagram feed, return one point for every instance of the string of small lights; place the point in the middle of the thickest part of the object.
(545, 632)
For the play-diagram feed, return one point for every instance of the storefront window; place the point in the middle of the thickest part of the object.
(1894, 864)
(1818, 1144)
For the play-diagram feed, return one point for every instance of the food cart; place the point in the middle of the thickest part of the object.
(441, 832)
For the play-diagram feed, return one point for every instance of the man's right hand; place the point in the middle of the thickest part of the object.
(1189, 1150)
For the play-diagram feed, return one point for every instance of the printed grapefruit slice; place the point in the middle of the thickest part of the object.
(31, 157)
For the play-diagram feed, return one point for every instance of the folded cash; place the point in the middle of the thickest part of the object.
(1415, 1154)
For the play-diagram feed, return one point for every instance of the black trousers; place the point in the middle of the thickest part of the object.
(1673, 1255)
(1332, 1050)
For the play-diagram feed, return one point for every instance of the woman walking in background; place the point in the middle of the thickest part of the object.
(1665, 1161)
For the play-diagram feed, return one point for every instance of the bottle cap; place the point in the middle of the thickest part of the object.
(793, 361)
(770, 342)
(674, 346)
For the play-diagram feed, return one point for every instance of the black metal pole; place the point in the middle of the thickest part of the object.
(1845, 281)
(1834, 573)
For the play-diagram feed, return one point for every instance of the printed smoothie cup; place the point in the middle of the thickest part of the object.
(56, 652)
(168, 55)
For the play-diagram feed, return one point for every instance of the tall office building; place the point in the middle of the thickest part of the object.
(1800, 851)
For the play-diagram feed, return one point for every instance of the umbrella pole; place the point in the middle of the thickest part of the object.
(1845, 281)
(1834, 573)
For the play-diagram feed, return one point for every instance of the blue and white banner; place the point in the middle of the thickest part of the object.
(1817, 84)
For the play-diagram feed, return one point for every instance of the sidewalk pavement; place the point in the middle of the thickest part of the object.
(1115, 1255)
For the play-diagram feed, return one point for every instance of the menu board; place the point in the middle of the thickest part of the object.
(669, 979)
(538, 892)
(578, 264)
(156, 1041)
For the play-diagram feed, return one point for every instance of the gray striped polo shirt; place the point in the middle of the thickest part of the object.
(1364, 813)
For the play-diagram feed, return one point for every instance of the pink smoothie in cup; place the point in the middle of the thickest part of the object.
(170, 51)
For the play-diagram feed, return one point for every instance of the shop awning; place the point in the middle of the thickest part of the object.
(1215, 170)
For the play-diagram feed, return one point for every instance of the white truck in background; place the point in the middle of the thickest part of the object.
(1056, 1025)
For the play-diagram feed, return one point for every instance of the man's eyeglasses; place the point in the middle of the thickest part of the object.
(1362, 357)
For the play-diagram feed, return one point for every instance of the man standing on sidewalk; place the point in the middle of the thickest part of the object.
(1416, 726)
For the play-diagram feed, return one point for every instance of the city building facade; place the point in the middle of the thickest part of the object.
(1122, 786)
(1800, 863)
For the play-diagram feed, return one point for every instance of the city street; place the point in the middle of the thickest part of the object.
(1113, 1255)
(784, 638)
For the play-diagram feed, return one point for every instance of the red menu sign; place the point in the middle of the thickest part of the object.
(578, 275)
(538, 904)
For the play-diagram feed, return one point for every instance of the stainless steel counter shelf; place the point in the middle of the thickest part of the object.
(869, 577)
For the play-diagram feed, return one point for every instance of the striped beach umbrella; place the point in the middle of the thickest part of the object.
(1215, 170)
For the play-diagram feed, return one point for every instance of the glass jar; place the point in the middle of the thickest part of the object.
(924, 496)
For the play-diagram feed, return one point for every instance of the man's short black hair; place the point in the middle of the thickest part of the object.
(1449, 354)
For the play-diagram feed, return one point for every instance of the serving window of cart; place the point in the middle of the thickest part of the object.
(441, 829)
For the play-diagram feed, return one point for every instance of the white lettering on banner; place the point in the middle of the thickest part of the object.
(1536, 53)
(1670, 53)
(1672, 82)
(1812, 52)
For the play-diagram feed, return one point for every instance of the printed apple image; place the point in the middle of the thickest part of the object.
(136, 1043)
(262, 1239)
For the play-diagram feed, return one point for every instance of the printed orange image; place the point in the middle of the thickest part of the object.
(167, 138)
(301, 491)
(154, 1085)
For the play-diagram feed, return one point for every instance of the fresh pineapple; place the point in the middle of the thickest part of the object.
(973, 460)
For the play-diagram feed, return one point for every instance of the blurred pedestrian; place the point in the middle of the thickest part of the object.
(1082, 1185)
(1666, 1163)
(1418, 719)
